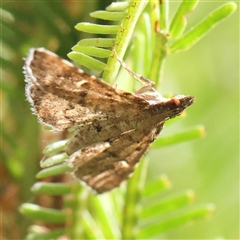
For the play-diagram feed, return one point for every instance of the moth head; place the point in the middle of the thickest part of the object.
(176, 105)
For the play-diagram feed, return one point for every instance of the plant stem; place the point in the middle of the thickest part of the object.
(132, 198)
(158, 59)
(123, 38)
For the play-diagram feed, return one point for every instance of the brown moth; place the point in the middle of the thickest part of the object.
(112, 128)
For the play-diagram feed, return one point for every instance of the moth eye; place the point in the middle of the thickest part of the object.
(173, 104)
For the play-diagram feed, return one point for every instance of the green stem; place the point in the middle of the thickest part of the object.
(164, 5)
(78, 205)
(123, 38)
(158, 59)
(132, 198)
(179, 21)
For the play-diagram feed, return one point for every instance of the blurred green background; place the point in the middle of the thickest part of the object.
(210, 166)
(209, 71)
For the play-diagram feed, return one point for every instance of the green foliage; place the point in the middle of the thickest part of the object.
(167, 40)
(130, 212)
(197, 32)
(43, 214)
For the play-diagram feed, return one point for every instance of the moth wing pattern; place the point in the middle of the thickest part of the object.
(113, 163)
(60, 93)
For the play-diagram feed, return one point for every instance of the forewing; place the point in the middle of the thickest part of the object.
(109, 165)
(63, 96)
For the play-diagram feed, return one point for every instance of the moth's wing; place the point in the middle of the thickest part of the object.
(132, 118)
(63, 96)
(105, 167)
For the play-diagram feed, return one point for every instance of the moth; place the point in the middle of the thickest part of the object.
(112, 129)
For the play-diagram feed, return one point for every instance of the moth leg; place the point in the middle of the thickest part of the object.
(145, 81)
(148, 91)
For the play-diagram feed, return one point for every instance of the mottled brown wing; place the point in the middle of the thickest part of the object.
(104, 166)
(143, 120)
(63, 96)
